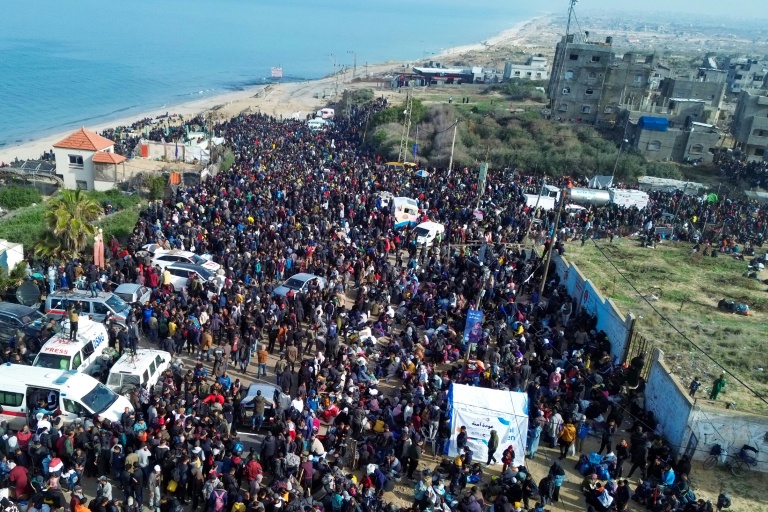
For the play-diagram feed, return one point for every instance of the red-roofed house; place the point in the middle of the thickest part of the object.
(87, 161)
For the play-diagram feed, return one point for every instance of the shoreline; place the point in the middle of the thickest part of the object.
(278, 99)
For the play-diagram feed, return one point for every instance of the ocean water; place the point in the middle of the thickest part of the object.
(66, 64)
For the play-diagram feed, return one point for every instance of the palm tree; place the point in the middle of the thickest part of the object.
(69, 219)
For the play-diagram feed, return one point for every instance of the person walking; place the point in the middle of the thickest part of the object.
(717, 387)
(413, 456)
(566, 438)
(607, 439)
(493, 445)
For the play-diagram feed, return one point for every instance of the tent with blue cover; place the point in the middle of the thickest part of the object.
(481, 410)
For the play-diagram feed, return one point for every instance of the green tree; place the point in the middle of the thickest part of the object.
(13, 278)
(156, 185)
(69, 220)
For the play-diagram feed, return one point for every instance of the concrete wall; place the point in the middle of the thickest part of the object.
(609, 318)
(166, 150)
(695, 426)
(70, 173)
(729, 428)
(669, 402)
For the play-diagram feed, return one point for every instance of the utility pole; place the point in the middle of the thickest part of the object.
(561, 197)
(402, 155)
(561, 57)
(453, 145)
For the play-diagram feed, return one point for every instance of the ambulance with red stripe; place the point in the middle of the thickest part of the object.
(68, 394)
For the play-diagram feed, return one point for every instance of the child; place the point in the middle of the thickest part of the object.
(694, 386)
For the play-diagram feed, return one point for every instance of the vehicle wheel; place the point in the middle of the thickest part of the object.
(711, 462)
(738, 468)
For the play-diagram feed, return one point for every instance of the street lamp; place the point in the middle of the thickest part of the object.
(616, 165)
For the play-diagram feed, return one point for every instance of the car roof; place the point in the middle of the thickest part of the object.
(143, 358)
(174, 252)
(78, 295)
(303, 276)
(15, 309)
(430, 224)
(188, 266)
(127, 288)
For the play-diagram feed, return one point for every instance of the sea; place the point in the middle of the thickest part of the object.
(70, 63)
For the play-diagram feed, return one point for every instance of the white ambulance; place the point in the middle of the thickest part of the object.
(70, 393)
(83, 354)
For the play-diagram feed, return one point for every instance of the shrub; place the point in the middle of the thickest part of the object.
(25, 227)
(120, 224)
(14, 197)
(227, 160)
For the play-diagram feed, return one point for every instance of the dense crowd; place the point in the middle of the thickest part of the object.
(365, 357)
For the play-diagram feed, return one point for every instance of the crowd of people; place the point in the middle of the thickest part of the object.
(364, 357)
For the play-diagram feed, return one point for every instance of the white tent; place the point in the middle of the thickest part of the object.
(600, 181)
(482, 410)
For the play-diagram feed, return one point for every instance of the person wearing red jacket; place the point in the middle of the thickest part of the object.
(214, 397)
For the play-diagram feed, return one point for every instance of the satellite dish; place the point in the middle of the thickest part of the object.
(28, 293)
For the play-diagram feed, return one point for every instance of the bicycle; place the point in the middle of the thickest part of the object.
(738, 464)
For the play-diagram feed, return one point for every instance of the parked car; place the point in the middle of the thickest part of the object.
(16, 317)
(181, 272)
(133, 293)
(249, 395)
(299, 283)
(163, 258)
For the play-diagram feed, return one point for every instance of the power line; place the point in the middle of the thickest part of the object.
(697, 347)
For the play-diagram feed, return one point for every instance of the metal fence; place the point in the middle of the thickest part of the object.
(639, 345)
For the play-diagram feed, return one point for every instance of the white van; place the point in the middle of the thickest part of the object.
(427, 233)
(130, 371)
(325, 113)
(83, 354)
(627, 198)
(546, 200)
(75, 394)
(317, 124)
(406, 212)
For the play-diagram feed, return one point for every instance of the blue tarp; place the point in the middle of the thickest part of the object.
(656, 124)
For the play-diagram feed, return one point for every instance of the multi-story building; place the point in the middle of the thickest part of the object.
(747, 74)
(535, 68)
(591, 84)
(750, 124)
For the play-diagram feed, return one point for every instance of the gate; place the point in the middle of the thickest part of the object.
(639, 345)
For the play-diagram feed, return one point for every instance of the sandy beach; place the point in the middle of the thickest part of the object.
(280, 99)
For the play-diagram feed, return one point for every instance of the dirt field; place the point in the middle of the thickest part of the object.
(685, 289)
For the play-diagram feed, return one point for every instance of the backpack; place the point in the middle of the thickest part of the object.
(219, 500)
(724, 500)
(238, 448)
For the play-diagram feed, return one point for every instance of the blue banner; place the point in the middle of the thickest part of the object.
(473, 329)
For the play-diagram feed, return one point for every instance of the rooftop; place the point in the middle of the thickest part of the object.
(86, 140)
(102, 157)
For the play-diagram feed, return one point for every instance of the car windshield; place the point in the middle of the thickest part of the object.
(293, 284)
(52, 361)
(205, 273)
(127, 297)
(116, 304)
(34, 316)
(99, 398)
(421, 232)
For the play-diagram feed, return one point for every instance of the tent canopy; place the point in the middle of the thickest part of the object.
(481, 410)
(601, 182)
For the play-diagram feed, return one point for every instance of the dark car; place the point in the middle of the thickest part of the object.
(249, 395)
(16, 317)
